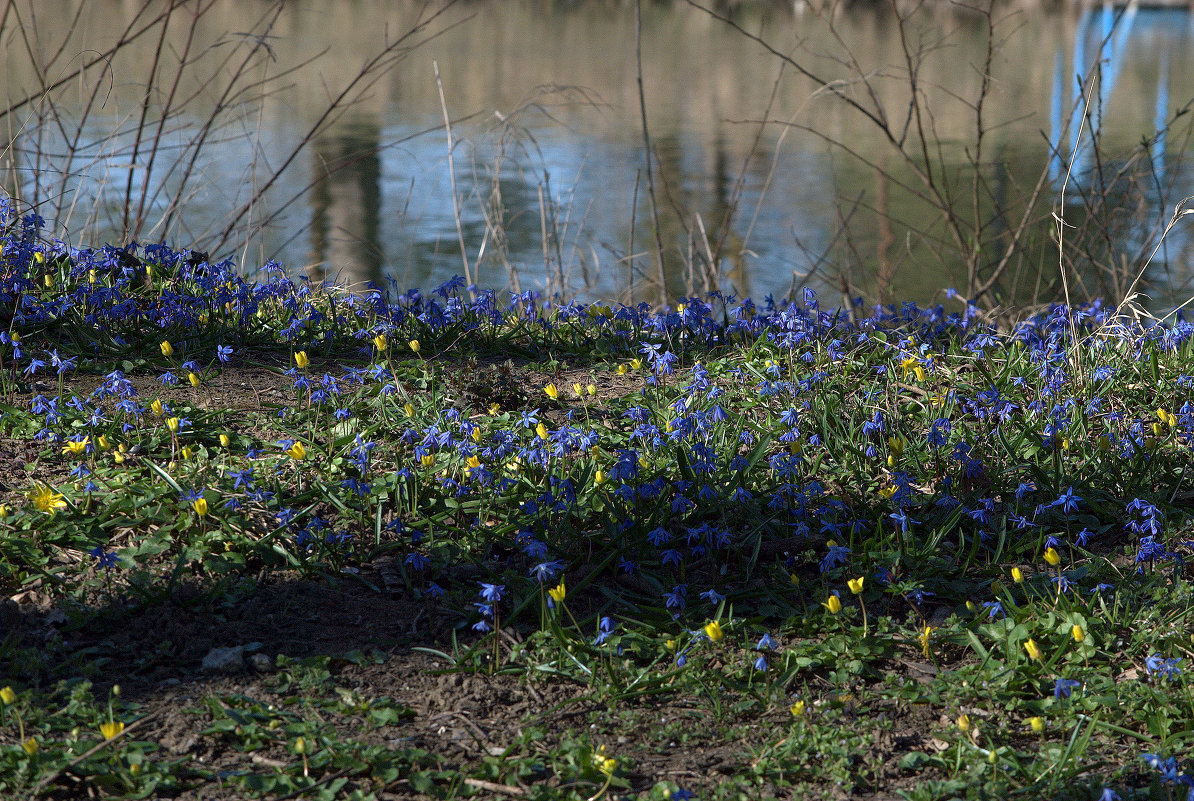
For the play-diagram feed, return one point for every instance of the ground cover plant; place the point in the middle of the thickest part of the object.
(264, 539)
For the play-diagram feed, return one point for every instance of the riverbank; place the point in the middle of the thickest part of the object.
(269, 540)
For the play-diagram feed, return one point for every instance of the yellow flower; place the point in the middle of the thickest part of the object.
(300, 746)
(912, 365)
(187, 453)
(1166, 417)
(297, 451)
(200, 506)
(49, 280)
(797, 709)
(409, 409)
(380, 342)
(167, 348)
(1031, 648)
(964, 723)
(552, 392)
(599, 478)
(558, 592)
(896, 446)
(855, 585)
(172, 424)
(224, 441)
(194, 379)
(1037, 723)
(472, 463)
(102, 441)
(76, 447)
(713, 630)
(591, 389)
(541, 430)
(834, 604)
(414, 345)
(476, 435)
(623, 369)
(1017, 575)
(30, 746)
(157, 407)
(924, 636)
(111, 729)
(7, 695)
(1052, 557)
(300, 358)
(1077, 633)
(39, 257)
(3, 510)
(495, 409)
(46, 500)
(427, 460)
(636, 364)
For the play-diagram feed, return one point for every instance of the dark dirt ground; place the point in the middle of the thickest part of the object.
(155, 650)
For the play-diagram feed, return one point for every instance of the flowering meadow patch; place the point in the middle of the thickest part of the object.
(782, 503)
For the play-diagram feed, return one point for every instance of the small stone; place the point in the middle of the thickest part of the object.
(262, 663)
(224, 660)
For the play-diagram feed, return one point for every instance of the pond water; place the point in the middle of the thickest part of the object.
(785, 148)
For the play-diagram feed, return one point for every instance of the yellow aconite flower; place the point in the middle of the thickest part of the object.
(111, 729)
(887, 492)
(637, 364)
(157, 407)
(167, 348)
(834, 604)
(964, 723)
(924, 636)
(1031, 648)
(1037, 723)
(713, 630)
(194, 379)
(1166, 417)
(200, 506)
(49, 281)
(599, 478)
(187, 453)
(603, 763)
(380, 342)
(591, 389)
(30, 746)
(797, 709)
(39, 257)
(300, 358)
(541, 430)
(855, 584)
(1077, 633)
(912, 365)
(297, 451)
(476, 435)
(558, 592)
(623, 369)
(77, 447)
(495, 409)
(414, 345)
(552, 392)
(46, 500)
(409, 409)
(579, 390)
(896, 446)
(7, 695)
(172, 424)
(102, 441)
(224, 441)
(472, 463)
(3, 510)
(427, 460)
(1017, 575)
(1052, 557)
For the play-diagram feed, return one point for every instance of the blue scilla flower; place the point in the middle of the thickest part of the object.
(1063, 687)
(1156, 665)
(491, 593)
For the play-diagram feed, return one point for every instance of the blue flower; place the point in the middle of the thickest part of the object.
(1063, 687)
(491, 593)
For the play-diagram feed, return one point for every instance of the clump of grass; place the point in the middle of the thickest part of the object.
(775, 511)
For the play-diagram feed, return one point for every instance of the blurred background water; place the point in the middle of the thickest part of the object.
(754, 164)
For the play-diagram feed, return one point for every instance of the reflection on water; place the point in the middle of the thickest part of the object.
(550, 192)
